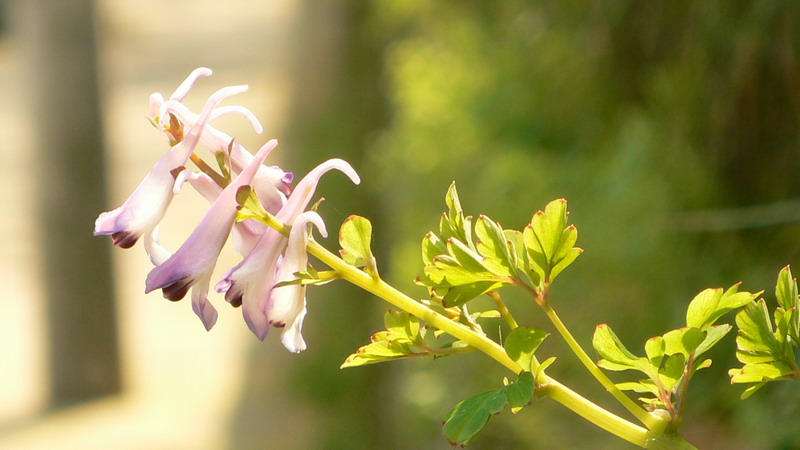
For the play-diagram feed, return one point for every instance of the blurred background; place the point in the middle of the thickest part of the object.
(671, 128)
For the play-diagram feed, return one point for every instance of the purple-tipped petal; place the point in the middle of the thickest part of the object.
(145, 208)
(195, 260)
(200, 304)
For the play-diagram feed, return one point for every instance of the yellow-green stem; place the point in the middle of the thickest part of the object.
(501, 306)
(552, 388)
(646, 418)
(547, 387)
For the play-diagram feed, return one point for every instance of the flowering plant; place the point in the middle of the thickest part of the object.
(270, 222)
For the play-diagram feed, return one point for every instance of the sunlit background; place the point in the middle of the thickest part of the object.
(671, 128)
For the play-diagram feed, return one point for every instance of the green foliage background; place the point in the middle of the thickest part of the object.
(639, 113)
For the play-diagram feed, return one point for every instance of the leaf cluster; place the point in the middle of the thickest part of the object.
(768, 353)
(403, 337)
(672, 359)
(461, 265)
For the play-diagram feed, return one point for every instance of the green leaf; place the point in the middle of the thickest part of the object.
(615, 355)
(672, 371)
(522, 343)
(453, 223)
(756, 373)
(683, 340)
(655, 349)
(641, 387)
(520, 393)
(713, 335)
(355, 237)
(378, 351)
(786, 292)
(458, 295)
(432, 247)
(492, 244)
(446, 271)
(466, 257)
(401, 324)
(711, 304)
(469, 417)
(402, 338)
(549, 241)
(548, 226)
(755, 340)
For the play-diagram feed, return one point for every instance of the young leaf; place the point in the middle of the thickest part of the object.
(549, 242)
(403, 337)
(432, 247)
(469, 417)
(492, 244)
(615, 355)
(711, 304)
(355, 237)
(683, 340)
(766, 355)
(520, 393)
(786, 292)
(522, 343)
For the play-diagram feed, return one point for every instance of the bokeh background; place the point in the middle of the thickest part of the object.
(671, 127)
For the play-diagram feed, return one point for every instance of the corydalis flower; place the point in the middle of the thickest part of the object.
(249, 283)
(286, 305)
(194, 262)
(145, 208)
(270, 182)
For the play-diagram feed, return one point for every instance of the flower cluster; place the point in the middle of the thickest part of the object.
(270, 259)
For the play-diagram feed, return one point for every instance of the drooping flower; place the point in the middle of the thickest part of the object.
(192, 265)
(145, 208)
(286, 305)
(270, 182)
(250, 282)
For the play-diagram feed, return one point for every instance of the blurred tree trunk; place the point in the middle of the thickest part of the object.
(58, 40)
(335, 72)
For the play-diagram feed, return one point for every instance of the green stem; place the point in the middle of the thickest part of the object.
(549, 387)
(545, 386)
(402, 301)
(643, 416)
(504, 311)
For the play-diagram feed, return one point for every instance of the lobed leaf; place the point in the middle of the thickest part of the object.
(469, 417)
(355, 238)
(522, 343)
(615, 355)
(492, 244)
(711, 304)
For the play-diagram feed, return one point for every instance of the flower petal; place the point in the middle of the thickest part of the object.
(286, 305)
(198, 255)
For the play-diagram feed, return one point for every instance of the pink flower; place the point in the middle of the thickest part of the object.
(271, 183)
(145, 208)
(250, 282)
(193, 264)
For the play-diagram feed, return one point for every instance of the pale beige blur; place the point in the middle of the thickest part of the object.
(145, 46)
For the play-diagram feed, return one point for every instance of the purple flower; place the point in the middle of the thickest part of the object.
(286, 305)
(250, 282)
(193, 264)
(271, 183)
(145, 208)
